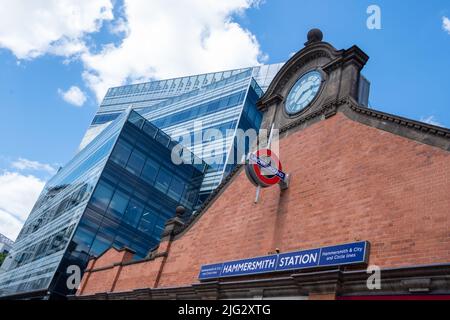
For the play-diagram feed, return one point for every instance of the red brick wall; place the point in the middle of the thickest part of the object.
(103, 273)
(112, 256)
(140, 275)
(101, 281)
(349, 182)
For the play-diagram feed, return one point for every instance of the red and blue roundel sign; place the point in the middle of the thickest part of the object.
(264, 169)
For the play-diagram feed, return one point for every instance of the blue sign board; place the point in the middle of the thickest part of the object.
(345, 254)
(263, 164)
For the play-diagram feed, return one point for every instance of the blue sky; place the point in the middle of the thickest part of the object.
(102, 43)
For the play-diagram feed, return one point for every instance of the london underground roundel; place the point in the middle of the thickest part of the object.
(264, 169)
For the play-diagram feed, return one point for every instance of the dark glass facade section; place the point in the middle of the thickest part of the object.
(138, 191)
(251, 118)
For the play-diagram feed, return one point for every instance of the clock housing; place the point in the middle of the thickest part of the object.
(304, 92)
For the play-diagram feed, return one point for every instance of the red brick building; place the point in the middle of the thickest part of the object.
(356, 174)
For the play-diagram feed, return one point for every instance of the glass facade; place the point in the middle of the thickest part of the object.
(195, 104)
(119, 191)
(148, 94)
(121, 187)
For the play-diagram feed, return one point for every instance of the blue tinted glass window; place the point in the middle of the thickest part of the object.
(223, 103)
(148, 220)
(122, 241)
(121, 153)
(193, 113)
(83, 239)
(252, 114)
(133, 213)
(118, 204)
(102, 196)
(157, 122)
(203, 109)
(258, 120)
(159, 226)
(163, 180)
(176, 188)
(177, 118)
(150, 129)
(100, 119)
(213, 106)
(136, 119)
(136, 162)
(100, 245)
(234, 99)
(189, 197)
(163, 138)
(150, 170)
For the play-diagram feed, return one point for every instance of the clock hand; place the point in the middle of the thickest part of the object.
(303, 93)
(306, 91)
(301, 96)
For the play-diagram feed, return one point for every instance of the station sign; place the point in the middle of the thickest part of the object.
(356, 253)
(264, 169)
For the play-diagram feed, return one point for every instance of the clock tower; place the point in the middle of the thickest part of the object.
(313, 84)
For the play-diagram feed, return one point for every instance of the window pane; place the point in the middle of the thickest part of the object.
(162, 138)
(252, 114)
(136, 119)
(121, 153)
(159, 227)
(102, 195)
(213, 106)
(100, 245)
(150, 171)
(118, 204)
(148, 220)
(133, 213)
(176, 189)
(150, 129)
(136, 162)
(163, 180)
(83, 239)
(121, 242)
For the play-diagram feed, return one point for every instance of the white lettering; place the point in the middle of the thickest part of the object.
(374, 280)
(374, 20)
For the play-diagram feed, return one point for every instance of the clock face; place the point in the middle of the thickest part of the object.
(303, 92)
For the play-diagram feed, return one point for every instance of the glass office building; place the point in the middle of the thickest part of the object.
(119, 191)
(151, 93)
(122, 186)
(225, 101)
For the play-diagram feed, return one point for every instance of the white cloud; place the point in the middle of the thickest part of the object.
(9, 225)
(32, 28)
(431, 120)
(25, 164)
(446, 24)
(159, 38)
(18, 193)
(168, 38)
(73, 96)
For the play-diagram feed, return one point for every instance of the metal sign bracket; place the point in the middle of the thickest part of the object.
(284, 184)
